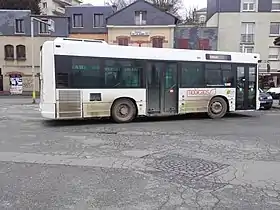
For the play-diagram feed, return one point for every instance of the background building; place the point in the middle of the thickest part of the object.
(15, 42)
(88, 22)
(141, 24)
(56, 7)
(201, 15)
(248, 26)
(196, 38)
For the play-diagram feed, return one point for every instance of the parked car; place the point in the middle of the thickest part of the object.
(266, 100)
(274, 92)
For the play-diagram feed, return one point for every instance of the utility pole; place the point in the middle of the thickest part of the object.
(50, 25)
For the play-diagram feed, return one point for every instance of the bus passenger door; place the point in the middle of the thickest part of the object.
(170, 87)
(154, 78)
(246, 87)
(162, 88)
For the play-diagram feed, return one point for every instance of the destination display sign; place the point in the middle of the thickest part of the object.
(218, 57)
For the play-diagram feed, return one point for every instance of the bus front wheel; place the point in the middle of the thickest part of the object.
(217, 108)
(123, 111)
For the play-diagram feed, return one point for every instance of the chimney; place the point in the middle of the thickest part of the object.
(114, 7)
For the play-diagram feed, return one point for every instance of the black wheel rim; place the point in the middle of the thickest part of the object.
(216, 107)
(123, 111)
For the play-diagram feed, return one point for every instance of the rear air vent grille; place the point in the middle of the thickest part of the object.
(69, 104)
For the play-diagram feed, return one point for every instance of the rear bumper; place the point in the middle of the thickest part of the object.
(48, 115)
(47, 110)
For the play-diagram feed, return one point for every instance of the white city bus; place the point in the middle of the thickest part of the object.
(92, 79)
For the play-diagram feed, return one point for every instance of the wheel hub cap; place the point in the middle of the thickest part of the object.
(123, 110)
(216, 107)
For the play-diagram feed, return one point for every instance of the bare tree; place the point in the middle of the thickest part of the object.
(172, 6)
(32, 5)
(119, 3)
(190, 16)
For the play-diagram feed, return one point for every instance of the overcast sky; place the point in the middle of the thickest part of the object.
(188, 3)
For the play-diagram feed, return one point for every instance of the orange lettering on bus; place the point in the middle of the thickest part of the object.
(201, 92)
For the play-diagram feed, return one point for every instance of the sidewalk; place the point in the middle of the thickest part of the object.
(25, 94)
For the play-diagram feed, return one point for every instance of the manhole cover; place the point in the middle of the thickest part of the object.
(200, 183)
(191, 168)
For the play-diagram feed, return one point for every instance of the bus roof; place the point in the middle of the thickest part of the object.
(97, 48)
(80, 40)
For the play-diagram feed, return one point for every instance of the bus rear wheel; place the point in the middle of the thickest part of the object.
(123, 111)
(217, 108)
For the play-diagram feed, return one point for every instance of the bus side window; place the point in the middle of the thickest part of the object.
(192, 75)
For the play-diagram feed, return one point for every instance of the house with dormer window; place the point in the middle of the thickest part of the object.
(141, 24)
(88, 21)
(17, 54)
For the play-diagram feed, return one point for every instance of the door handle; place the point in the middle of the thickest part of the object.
(172, 86)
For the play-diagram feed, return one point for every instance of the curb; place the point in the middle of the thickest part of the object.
(17, 96)
(5, 94)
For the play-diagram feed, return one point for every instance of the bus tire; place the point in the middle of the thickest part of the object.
(123, 111)
(217, 108)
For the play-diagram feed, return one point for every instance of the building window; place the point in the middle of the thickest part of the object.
(45, 5)
(202, 19)
(140, 17)
(9, 52)
(275, 5)
(274, 66)
(21, 52)
(98, 20)
(44, 27)
(123, 41)
(246, 49)
(274, 29)
(248, 31)
(19, 26)
(249, 5)
(78, 21)
(157, 42)
(274, 53)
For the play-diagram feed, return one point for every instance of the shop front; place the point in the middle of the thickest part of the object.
(16, 82)
(266, 78)
(145, 36)
(266, 81)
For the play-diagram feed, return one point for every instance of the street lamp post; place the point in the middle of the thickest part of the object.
(50, 25)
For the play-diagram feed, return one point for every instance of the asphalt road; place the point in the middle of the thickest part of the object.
(185, 163)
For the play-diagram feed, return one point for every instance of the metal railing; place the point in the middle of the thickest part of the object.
(247, 38)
